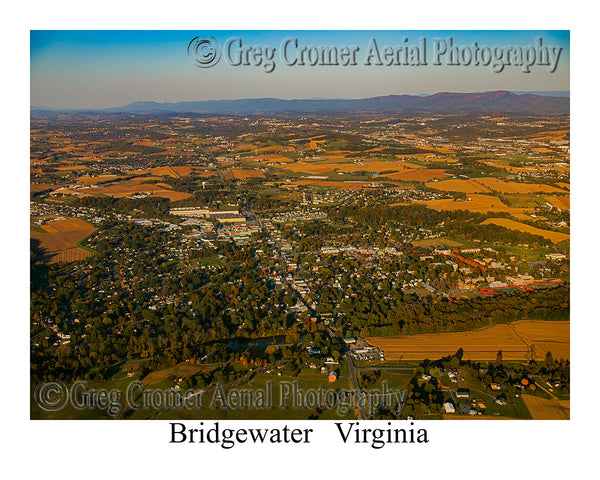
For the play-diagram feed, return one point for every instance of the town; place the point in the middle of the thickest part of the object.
(191, 252)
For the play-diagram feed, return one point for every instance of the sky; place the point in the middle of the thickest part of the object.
(95, 69)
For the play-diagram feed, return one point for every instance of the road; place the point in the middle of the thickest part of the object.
(538, 381)
(362, 414)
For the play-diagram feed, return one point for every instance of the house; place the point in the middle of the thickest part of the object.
(463, 393)
(333, 376)
(449, 408)
(555, 256)
(470, 250)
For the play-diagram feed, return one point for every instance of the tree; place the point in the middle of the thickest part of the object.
(549, 360)
(454, 362)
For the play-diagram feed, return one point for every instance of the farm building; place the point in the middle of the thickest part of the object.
(463, 393)
(333, 376)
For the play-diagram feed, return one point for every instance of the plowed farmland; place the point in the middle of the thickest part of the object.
(58, 242)
(490, 184)
(477, 203)
(546, 409)
(515, 341)
(522, 227)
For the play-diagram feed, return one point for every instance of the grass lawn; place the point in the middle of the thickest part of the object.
(528, 253)
(286, 403)
(434, 242)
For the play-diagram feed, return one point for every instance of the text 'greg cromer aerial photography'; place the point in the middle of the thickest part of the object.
(295, 225)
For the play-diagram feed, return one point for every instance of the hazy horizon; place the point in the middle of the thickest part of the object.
(104, 69)
(553, 93)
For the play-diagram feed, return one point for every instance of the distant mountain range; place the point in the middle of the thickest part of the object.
(486, 102)
(547, 93)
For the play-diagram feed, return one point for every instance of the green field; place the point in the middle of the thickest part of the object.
(261, 398)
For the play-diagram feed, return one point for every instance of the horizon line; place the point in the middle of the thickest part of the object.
(514, 92)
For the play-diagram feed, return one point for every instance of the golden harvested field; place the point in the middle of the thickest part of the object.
(70, 168)
(480, 344)
(67, 225)
(60, 237)
(429, 158)
(444, 151)
(365, 166)
(478, 203)
(547, 409)
(332, 183)
(527, 169)
(68, 148)
(38, 187)
(175, 172)
(514, 187)
(92, 159)
(555, 237)
(124, 189)
(69, 255)
(512, 168)
(206, 173)
(272, 158)
(242, 174)
(68, 191)
(552, 135)
(545, 336)
(418, 175)
(564, 185)
(463, 186)
(564, 203)
(95, 180)
(490, 184)
(140, 180)
(335, 157)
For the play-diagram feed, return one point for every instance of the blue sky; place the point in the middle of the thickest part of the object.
(88, 69)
